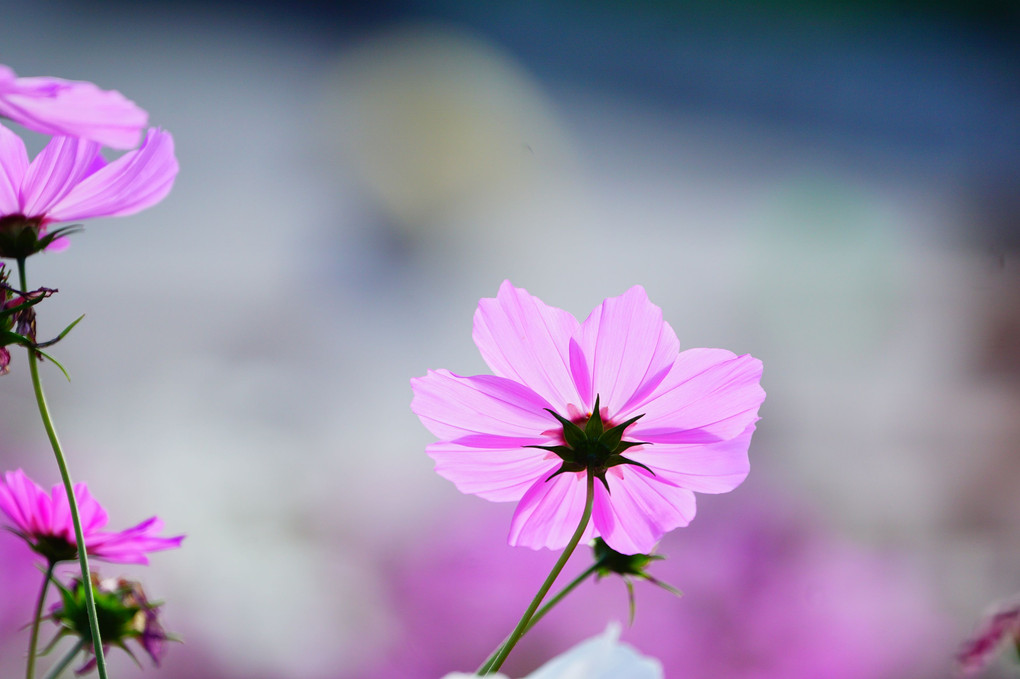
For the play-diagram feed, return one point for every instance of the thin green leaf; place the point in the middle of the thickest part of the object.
(55, 362)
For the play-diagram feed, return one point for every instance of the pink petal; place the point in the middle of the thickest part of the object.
(71, 108)
(708, 390)
(132, 544)
(549, 513)
(55, 172)
(453, 407)
(496, 474)
(93, 516)
(711, 468)
(639, 509)
(58, 516)
(19, 497)
(13, 166)
(627, 349)
(135, 181)
(525, 340)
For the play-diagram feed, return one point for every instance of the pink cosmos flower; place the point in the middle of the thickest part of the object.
(71, 108)
(44, 522)
(613, 394)
(70, 181)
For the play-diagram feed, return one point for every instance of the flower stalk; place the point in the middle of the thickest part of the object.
(51, 433)
(529, 614)
(591, 570)
(33, 641)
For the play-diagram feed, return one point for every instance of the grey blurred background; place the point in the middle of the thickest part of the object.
(830, 186)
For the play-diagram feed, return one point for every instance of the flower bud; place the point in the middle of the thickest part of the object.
(123, 611)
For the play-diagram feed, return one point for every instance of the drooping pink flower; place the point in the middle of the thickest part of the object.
(71, 108)
(44, 522)
(70, 181)
(655, 423)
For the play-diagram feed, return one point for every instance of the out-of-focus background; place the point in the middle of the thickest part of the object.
(830, 186)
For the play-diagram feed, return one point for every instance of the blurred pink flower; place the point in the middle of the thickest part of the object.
(671, 422)
(996, 630)
(71, 108)
(69, 181)
(44, 522)
(768, 594)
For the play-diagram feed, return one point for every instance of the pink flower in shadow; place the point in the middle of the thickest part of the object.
(658, 423)
(71, 108)
(44, 522)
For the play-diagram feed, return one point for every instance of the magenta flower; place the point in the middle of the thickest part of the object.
(613, 394)
(70, 181)
(44, 522)
(71, 108)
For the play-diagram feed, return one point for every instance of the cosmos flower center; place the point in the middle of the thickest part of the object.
(592, 443)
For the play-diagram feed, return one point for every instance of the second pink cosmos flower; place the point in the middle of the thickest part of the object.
(684, 419)
(43, 520)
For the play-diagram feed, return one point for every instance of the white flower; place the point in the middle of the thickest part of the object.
(602, 657)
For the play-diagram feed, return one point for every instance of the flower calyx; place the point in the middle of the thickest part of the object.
(22, 236)
(629, 567)
(590, 445)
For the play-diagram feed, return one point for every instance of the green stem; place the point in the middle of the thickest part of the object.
(33, 640)
(65, 661)
(522, 626)
(72, 501)
(542, 611)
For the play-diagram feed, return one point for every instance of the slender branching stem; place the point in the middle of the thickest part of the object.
(559, 596)
(72, 501)
(525, 620)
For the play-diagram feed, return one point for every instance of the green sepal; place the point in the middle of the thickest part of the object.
(563, 452)
(567, 467)
(627, 566)
(44, 242)
(612, 437)
(594, 428)
(19, 236)
(615, 460)
(572, 434)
